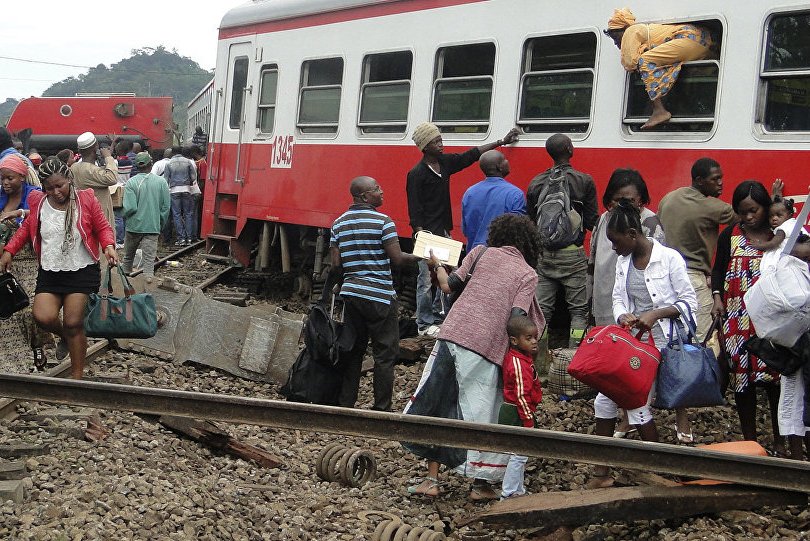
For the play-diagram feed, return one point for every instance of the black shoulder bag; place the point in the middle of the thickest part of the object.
(457, 293)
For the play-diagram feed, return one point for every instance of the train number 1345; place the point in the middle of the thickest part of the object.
(282, 151)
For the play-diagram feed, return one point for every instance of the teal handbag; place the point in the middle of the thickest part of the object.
(133, 316)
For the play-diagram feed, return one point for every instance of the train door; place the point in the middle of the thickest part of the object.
(231, 162)
(237, 90)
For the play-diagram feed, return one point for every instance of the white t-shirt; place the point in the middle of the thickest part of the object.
(52, 231)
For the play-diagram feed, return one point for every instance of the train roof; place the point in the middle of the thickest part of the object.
(259, 11)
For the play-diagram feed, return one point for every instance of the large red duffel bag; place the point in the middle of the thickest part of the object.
(617, 364)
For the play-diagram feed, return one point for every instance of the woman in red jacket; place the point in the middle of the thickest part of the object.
(65, 226)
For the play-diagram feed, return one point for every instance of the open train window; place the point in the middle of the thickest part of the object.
(267, 99)
(385, 92)
(240, 74)
(692, 99)
(556, 87)
(319, 98)
(462, 88)
(785, 74)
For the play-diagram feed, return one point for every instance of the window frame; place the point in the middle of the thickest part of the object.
(760, 131)
(260, 108)
(241, 92)
(629, 134)
(525, 66)
(364, 83)
(439, 62)
(303, 128)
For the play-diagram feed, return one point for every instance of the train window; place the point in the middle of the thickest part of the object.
(319, 98)
(267, 99)
(692, 99)
(462, 88)
(556, 90)
(785, 73)
(240, 74)
(385, 92)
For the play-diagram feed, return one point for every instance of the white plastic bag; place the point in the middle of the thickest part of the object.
(779, 303)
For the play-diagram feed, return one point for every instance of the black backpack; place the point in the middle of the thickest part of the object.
(315, 376)
(558, 223)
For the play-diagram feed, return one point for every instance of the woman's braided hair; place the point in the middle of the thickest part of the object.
(52, 166)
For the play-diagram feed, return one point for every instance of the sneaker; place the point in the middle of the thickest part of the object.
(430, 332)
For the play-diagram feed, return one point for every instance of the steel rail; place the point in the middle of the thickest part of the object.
(694, 462)
(163, 260)
(208, 282)
(7, 405)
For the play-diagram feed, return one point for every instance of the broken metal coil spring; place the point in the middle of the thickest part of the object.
(350, 466)
(395, 530)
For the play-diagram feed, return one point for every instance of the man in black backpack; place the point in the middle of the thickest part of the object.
(562, 201)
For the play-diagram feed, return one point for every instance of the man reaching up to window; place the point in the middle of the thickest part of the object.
(429, 208)
(657, 52)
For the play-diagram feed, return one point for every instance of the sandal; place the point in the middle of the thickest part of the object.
(684, 437)
(39, 359)
(600, 481)
(426, 487)
(483, 493)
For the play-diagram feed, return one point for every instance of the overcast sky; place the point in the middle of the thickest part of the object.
(87, 33)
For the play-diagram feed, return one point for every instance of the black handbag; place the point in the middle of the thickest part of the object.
(13, 297)
(457, 292)
(133, 316)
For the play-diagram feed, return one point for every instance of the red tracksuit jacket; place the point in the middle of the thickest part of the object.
(521, 386)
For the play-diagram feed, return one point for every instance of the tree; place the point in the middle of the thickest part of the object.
(150, 71)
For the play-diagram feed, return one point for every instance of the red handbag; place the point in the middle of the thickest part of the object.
(617, 364)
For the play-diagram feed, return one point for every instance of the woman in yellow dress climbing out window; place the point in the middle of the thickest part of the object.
(657, 51)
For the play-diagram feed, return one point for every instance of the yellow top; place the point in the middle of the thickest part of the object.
(640, 38)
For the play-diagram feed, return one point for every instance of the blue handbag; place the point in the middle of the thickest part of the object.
(689, 375)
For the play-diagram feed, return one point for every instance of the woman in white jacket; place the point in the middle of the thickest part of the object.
(650, 279)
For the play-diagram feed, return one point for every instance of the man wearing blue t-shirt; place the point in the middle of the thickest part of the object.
(488, 199)
(363, 246)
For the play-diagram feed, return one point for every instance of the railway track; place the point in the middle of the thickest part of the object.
(659, 457)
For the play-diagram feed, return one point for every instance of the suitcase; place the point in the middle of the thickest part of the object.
(617, 364)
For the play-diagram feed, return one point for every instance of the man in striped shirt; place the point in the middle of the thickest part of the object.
(363, 246)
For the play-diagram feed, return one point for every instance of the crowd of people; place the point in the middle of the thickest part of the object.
(64, 218)
(489, 315)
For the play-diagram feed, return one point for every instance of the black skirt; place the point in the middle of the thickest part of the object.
(85, 280)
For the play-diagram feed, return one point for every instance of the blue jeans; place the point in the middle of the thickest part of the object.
(430, 307)
(183, 213)
(120, 225)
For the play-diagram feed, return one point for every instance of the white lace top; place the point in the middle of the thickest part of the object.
(52, 230)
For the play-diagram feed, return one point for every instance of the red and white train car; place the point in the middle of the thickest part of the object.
(311, 93)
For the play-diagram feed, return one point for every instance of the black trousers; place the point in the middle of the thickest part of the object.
(379, 322)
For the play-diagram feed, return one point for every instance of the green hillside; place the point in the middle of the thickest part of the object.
(6, 108)
(148, 72)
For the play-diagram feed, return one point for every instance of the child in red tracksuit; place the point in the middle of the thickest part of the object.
(521, 394)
